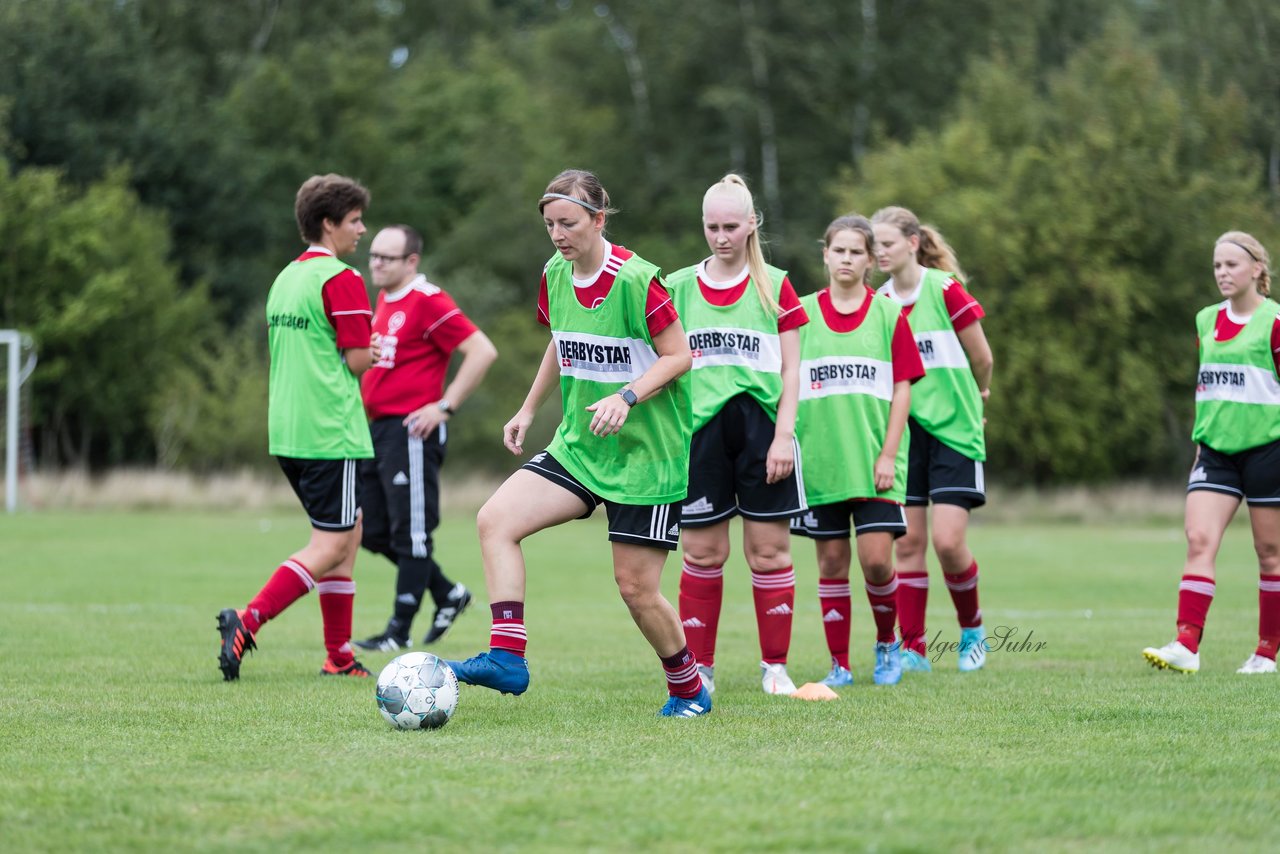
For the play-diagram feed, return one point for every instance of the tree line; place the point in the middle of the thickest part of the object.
(1081, 157)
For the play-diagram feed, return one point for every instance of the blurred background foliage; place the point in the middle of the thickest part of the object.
(1080, 156)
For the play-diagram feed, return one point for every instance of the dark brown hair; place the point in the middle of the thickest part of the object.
(578, 184)
(329, 197)
(852, 222)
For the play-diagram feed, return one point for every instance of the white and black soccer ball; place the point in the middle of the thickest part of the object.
(417, 691)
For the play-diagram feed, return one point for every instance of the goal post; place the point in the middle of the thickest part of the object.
(14, 342)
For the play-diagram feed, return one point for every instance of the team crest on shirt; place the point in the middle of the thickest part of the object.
(394, 322)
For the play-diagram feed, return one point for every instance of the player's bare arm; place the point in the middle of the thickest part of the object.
(548, 373)
(781, 459)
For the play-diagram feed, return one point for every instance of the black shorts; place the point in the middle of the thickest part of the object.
(939, 473)
(653, 525)
(1253, 474)
(831, 521)
(401, 489)
(328, 489)
(727, 474)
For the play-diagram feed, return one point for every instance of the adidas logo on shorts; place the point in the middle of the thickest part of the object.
(833, 616)
(401, 479)
(783, 610)
(537, 458)
(1197, 475)
(674, 532)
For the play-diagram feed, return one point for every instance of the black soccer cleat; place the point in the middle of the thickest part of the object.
(393, 639)
(459, 599)
(236, 641)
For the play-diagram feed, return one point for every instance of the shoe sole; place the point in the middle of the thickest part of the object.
(1160, 664)
(427, 639)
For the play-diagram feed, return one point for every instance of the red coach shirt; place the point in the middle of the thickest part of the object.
(420, 326)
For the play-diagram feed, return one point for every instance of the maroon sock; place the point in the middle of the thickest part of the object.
(701, 595)
(775, 598)
(1195, 595)
(884, 608)
(508, 627)
(1268, 616)
(289, 583)
(337, 596)
(964, 593)
(913, 597)
(835, 597)
(682, 674)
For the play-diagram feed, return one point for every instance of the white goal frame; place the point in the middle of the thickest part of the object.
(12, 340)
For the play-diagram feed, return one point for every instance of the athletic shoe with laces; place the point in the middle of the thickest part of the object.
(1173, 656)
(708, 674)
(973, 649)
(679, 707)
(774, 679)
(236, 641)
(459, 599)
(1258, 664)
(355, 669)
(497, 669)
(392, 639)
(839, 676)
(914, 662)
(888, 670)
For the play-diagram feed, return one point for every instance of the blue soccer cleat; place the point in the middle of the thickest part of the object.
(839, 677)
(497, 669)
(888, 664)
(973, 649)
(679, 707)
(914, 662)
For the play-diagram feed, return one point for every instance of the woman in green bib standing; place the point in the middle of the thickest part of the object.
(948, 445)
(741, 316)
(857, 363)
(1237, 435)
(620, 356)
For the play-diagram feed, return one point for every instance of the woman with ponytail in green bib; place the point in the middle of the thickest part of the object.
(742, 317)
(857, 363)
(620, 358)
(948, 445)
(1237, 436)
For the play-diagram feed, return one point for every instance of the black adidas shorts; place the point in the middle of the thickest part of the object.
(328, 489)
(831, 521)
(401, 489)
(727, 474)
(1253, 474)
(653, 525)
(939, 473)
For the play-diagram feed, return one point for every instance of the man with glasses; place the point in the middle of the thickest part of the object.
(416, 329)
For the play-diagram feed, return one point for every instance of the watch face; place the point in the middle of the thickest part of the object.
(629, 396)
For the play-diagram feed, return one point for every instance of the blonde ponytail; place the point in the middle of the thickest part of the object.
(735, 188)
(933, 251)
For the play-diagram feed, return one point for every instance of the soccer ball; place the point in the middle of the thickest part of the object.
(417, 691)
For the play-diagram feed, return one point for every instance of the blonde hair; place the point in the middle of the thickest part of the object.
(934, 250)
(1256, 251)
(734, 188)
(856, 223)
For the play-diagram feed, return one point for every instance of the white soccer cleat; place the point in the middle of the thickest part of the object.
(775, 680)
(1174, 656)
(1257, 664)
(708, 675)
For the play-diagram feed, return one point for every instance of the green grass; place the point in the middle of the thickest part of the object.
(116, 731)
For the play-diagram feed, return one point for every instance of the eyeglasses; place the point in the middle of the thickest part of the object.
(386, 259)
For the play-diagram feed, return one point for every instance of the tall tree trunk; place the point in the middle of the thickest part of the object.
(755, 41)
(626, 44)
(866, 71)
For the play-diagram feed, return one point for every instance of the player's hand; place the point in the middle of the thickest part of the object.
(375, 346)
(780, 461)
(423, 422)
(610, 413)
(885, 469)
(513, 432)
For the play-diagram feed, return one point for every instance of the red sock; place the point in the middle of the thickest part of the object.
(1268, 616)
(836, 600)
(701, 594)
(337, 596)
(1195, 595)
(682, 674)
(508, 627)
(775, 596)
(884, 607)
(913, 596)
(289, 583)
(964, 593)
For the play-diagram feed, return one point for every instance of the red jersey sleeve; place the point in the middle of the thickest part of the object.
(544, 307)
(447, 326)
(659, 310)
(907, 365)
(793, 315)
(346, 304)
(962, 308)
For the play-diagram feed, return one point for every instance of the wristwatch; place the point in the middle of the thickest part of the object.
(446, 407)
(628, 396)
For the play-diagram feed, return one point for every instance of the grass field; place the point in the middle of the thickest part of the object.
(117, 732)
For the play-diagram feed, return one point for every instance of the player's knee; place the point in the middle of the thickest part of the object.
(1268, 557)
(767, 557)
(635, 593)
(877, 571)
(490, 521)
(833, 566)
(706, 554)
(951, 548)
(1201, 542)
